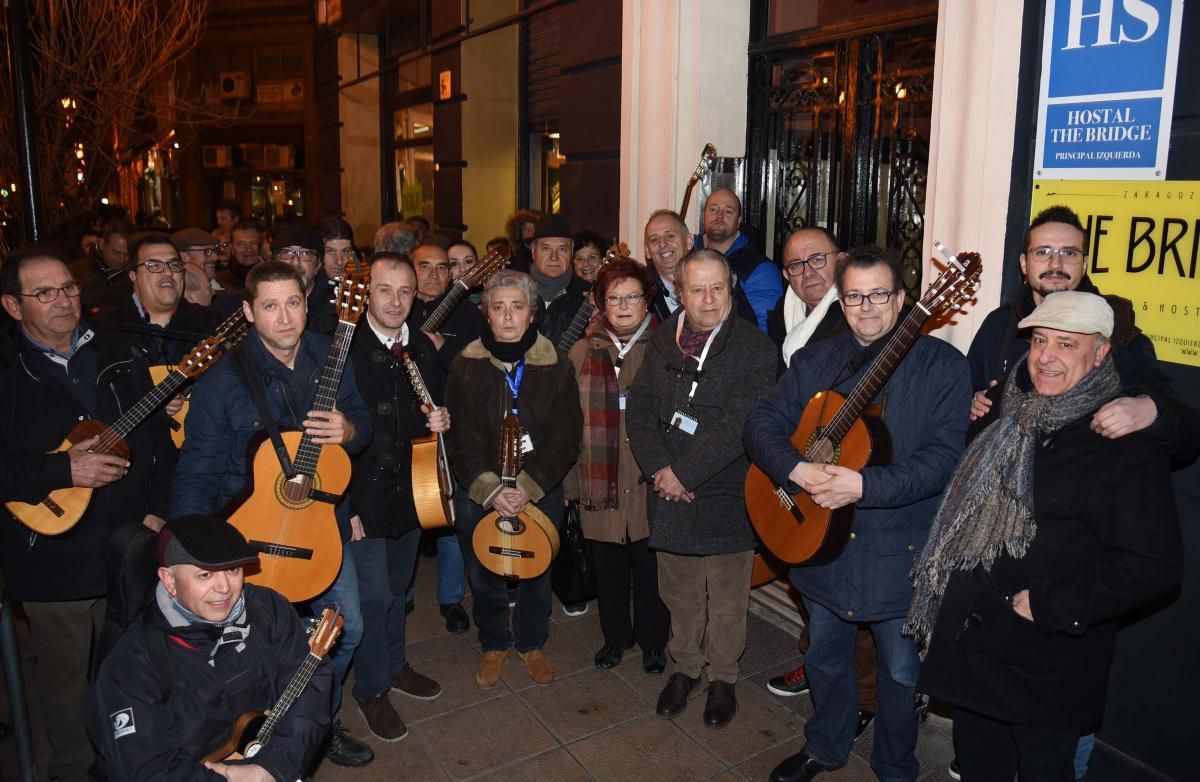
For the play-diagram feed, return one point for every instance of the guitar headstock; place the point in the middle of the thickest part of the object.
(706, 158)
(350, 291)
(955, 286)
(211, 348)
(486, 266)
(618, 252)
(510, 447)
(327, 631)
(418, 382)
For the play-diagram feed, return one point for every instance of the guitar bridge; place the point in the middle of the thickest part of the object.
(280, 550)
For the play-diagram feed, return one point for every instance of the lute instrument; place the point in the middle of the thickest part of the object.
(288, 518)
(587, 308)
(706, 158)
(253, 729)
(475, 276)
(432, 481)
(521, 546)
(63, 508)
(849, 431)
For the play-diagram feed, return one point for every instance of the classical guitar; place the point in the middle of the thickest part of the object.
(521, 546)
(253, 729)
(583, 316)
(432, 482)
(289, 518)
(63, 509)
(477, 275)
(706, 158)
(845, 430)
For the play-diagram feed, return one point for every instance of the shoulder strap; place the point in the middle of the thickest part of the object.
(249, 376)
(156, 647)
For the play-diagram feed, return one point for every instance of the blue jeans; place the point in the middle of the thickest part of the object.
(489, 592)
(830, 667)
(451, 569)
(1083, 754)
(344, 591)
(385, 569)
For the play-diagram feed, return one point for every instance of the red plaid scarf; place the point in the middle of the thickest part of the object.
(599, 397)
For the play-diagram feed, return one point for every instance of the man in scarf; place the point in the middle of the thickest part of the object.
(924, 404)
(808, 310)
(1048, 533)
(208, 649)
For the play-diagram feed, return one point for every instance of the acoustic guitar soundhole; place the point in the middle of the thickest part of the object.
(297, 492)
(510, 526)
(821, 449)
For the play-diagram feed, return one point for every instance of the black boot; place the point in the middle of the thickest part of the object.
(721, 705)
(674, 697)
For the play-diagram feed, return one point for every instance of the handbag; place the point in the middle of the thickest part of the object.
(573, 576)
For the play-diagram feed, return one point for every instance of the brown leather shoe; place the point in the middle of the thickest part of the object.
(539, 668)
(382, 720)
(414, 685)
(489, 669)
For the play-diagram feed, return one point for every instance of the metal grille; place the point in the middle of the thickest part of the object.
(842, 133)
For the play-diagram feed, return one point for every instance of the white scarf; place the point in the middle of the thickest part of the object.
(800, 327)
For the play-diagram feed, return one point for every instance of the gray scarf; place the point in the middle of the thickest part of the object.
(235, 628)
(550, 287)
(988, 507)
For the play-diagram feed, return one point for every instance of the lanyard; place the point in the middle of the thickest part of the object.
(514, 383)
(623, 350)
(700, 360)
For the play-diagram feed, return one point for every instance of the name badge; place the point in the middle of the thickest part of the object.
(684, 422)
(621, 401)
(526, 444)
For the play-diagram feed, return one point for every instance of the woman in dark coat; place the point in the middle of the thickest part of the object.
(607, 480)
(510, 367)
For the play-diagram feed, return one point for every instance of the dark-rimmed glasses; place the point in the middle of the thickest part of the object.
(815, 261)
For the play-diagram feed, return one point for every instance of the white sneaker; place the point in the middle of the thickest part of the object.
(578, 609)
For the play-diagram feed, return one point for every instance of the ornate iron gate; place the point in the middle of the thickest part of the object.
(842, 133)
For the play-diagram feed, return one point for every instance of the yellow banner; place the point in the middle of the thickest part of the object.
(1143, 239)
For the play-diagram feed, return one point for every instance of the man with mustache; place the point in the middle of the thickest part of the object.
(1055, 259)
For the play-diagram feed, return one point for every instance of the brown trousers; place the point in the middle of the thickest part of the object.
(707, 597)
(864, 662)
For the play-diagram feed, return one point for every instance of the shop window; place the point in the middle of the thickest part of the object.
(415, 169)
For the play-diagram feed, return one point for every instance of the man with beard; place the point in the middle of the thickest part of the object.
(1055, 259)
(300, 245)
(756, 274)
(667, 240)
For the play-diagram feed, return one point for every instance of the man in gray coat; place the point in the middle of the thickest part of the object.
(704, 370)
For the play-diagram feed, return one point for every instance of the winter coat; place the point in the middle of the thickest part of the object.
(224, 426)
(629, 521)
(555, 319)
(37, 411)
(479, 399)
(381, 490)
(711, 463)
(925, 404)
(1107, 542)
(140, 737)
(188, 326)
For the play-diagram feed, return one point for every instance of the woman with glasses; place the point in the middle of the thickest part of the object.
(607, 480)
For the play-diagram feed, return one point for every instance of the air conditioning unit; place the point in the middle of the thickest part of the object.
(212, 94)
(268, 92)
(277, 156)
(234, 85)
(252, 155)
(217, 156)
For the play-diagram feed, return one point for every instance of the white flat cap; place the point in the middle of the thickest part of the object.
(1074, 311)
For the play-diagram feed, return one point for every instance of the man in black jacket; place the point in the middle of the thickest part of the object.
(1048, 533)
(54, 373)
(560, 289)
(808, 311)
(384, 528)
(299, 244)
(208, 649)
(464, 323)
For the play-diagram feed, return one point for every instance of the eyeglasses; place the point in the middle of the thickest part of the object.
(48, 295)
(295, 255)
(156, 267)
(613, 300)
(814, 261)
(1070, 256)
(875, 297)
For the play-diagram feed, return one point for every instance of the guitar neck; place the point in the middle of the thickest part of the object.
(441, 313)
(149, 403)
(418, 382)
(574, 332)
(877, 373)
(309, 452)
(295, 687)
(687, 196)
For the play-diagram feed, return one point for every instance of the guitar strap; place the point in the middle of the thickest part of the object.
(249, 376)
